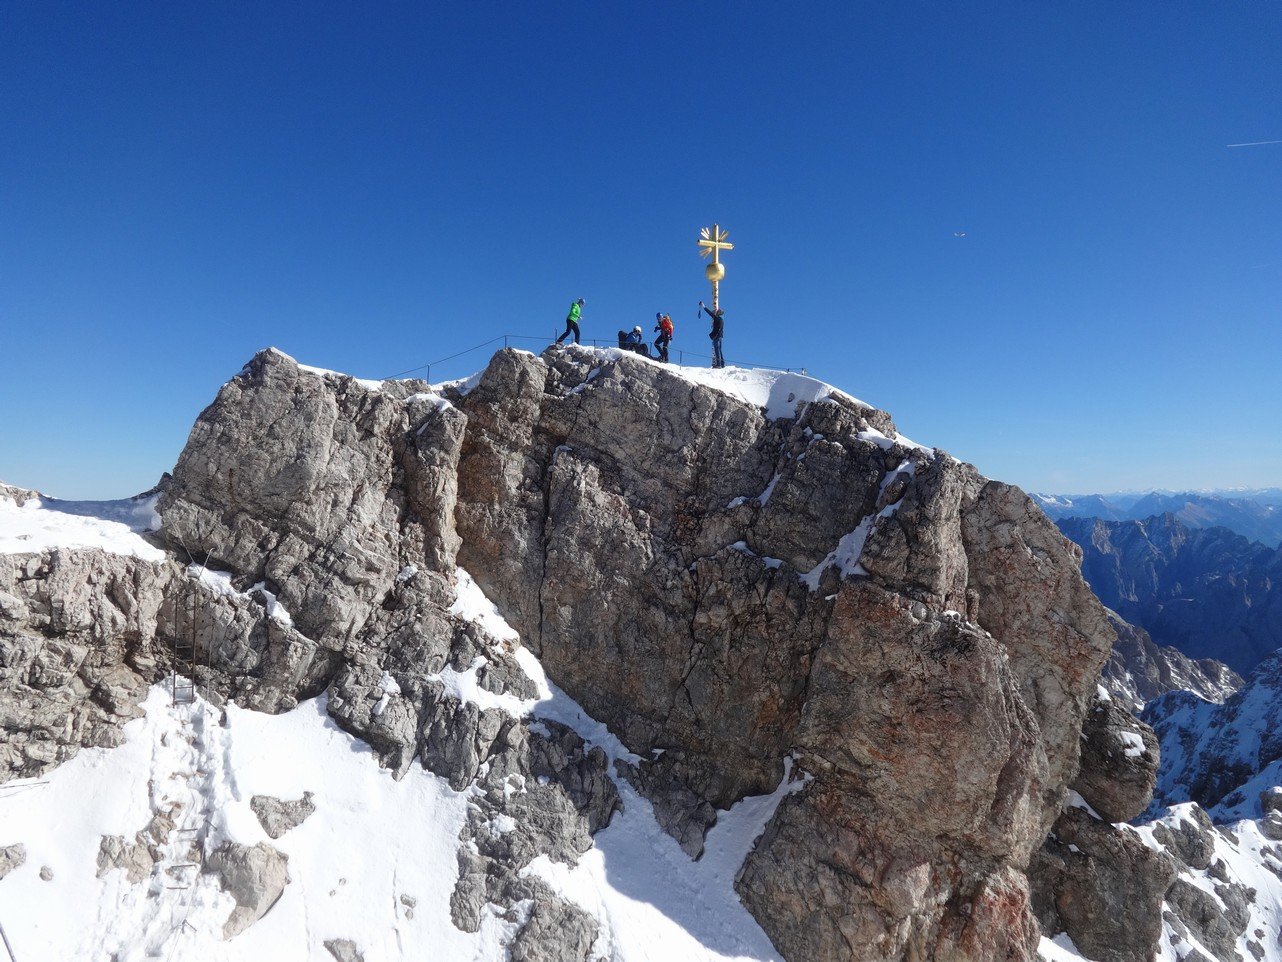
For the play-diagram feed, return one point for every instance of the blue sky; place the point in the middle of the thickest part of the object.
(372, 186)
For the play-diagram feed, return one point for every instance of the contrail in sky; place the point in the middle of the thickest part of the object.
(1256, 143)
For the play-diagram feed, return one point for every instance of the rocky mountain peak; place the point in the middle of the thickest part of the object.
(739, 574)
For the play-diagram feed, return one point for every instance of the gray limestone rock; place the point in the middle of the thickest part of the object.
(74, 652)
(1119, 762)
(700, 638)
(1190, 839)
(1216, 921)
(344, 950)
(555, 931)
(322, 488)
(255, 876)
(1101, 884)
(679, 811)
(278, 817)
(132, 858)
(12, 857)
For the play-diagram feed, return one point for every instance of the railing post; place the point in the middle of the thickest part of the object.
(7, 947)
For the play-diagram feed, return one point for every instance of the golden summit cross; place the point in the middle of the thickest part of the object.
(713, 241)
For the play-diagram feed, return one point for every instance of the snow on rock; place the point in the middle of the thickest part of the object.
(845, 556)
(781, 393)
(1060, 949)
(220, 583)
(472, 605)
(467, 688)
(374, 865)
(462, 385)
(275, 610)
(40, 524)
(652, 902)
(1132, 744)
(367, 383)
(1228, 903)
(371, 840)
(1220, 755)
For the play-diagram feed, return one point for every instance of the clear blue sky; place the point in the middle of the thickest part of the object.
(371, 186)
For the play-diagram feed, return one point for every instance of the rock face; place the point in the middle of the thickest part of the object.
(255, 876)
(1210, 593)
(724, 583)
(1119, 762)
(684, 583)
(1102, 885)
(1138, 671)
(78, 648)
(1178, 883)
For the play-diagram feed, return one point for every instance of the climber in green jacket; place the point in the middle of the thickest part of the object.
(572, 322)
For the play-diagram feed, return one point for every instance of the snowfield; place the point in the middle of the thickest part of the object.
(111, 526)
(375, 863)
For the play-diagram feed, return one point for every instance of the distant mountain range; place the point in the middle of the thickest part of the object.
(1209, 592)
(1253, 513)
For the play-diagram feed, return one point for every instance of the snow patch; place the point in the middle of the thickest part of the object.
(652, 901)
(275, 610)
(462, 385)
(112, 526)
(205, 763)
(1132, 744)
(1060, 949)
(781, 393)
(367, 383)
(851, 545)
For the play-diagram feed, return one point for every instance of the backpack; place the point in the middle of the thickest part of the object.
(665, 326)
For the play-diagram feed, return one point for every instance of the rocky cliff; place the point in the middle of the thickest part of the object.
(739, 576)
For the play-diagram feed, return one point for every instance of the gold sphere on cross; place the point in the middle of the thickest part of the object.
(715, 271)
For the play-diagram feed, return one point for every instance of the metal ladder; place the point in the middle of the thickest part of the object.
(183, 681)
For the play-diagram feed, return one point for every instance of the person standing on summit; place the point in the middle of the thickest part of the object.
(663, 324)
(572, 322)
(718, 329)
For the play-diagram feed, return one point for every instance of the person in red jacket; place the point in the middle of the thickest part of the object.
(665, 329)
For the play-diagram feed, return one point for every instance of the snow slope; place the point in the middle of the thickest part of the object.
(375, 863)
(112, 526)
